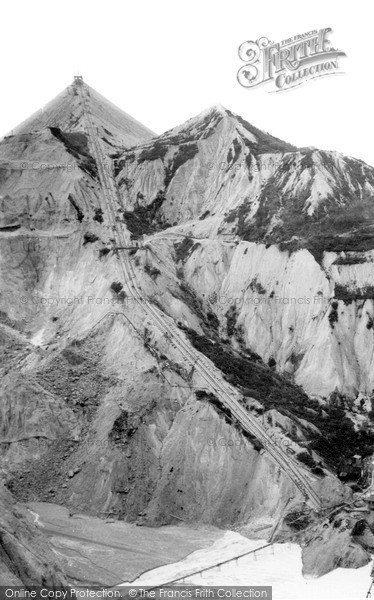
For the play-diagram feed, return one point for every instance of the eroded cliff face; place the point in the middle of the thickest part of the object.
(289, 308)
(101, 425)
(99, 410)
(281, 238)
(25, 556)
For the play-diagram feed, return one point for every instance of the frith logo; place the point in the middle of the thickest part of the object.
(289, 63)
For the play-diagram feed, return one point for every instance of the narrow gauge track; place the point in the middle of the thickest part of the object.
(221, 390)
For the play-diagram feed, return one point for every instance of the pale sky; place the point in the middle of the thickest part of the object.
(166, 61)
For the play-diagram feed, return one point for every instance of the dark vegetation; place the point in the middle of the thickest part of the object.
(157, 151)
(117, 288)
(98, 215)
(80, 215)
(256, 286)
(152, 271)
(89, 238)
(233, 153)
(319, 243)
(144, 220)
(248, 372)
(212, 399)
(209, 319)
(120, 163)
(183, 248)
(76, 143)
(359, 528)
(225, 412)
(265, 141)
(333, 314)
(307, 160)
(338, 441)
(231, 318)
(185, 152)
(348, 295)
(103, 252)
(317, 470)
(248, 162)
(342, 223)
(190, 298)
(306, 458)
(213, 321)
(351, 259)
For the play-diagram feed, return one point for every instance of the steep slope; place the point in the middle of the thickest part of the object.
(316, 200)
(101, 410)
(65, 112)
(201, 168)
(217, 177)
(219, 169)
(26, 558)
(59, 267)
(312, 321)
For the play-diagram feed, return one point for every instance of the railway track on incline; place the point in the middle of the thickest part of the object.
(202, 365)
